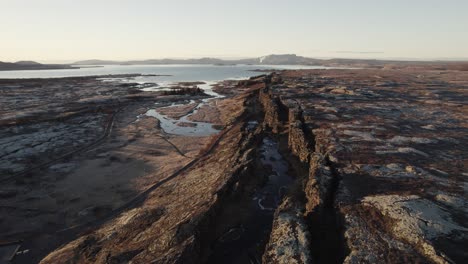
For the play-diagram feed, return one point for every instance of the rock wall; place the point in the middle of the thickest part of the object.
(271, 110)
(297, 139)
(290, 240)
(276, 112)
(318, 184)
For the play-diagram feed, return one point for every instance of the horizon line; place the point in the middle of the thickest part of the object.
(227, 58)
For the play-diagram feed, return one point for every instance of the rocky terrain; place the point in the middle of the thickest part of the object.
(377, 144)
(74, 151)
(309, 166)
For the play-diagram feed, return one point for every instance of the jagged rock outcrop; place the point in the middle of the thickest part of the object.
(298, 141)
(289, 238)
(271, 109)
(318, 185)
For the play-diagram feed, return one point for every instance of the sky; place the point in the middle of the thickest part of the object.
(69, 30)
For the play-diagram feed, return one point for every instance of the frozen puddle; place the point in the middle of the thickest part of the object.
(250, 226)
(183, 126)
(269, 196)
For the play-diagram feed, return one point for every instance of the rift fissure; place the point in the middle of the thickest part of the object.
(323, 219)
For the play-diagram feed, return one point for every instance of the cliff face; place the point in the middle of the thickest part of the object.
(298, 140)
(271, 109)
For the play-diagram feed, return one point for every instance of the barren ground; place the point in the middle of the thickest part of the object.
(310, 166)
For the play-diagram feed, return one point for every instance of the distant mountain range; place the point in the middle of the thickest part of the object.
(31, 65)
(271, 59)
(283, 59)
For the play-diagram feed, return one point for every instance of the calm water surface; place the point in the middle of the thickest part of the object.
(177, 72)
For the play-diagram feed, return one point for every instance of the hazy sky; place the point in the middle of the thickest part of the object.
(141, 29)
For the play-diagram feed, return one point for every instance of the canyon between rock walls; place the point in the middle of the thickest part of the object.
(311, 166)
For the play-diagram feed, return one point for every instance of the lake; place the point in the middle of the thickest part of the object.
(178, 72)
